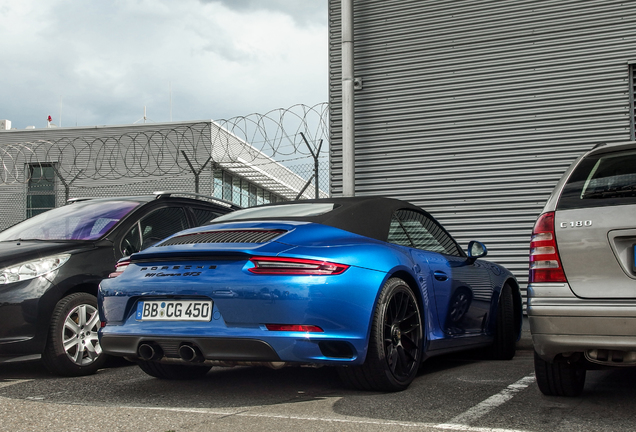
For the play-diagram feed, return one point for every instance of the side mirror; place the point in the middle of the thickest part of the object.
(476, 250)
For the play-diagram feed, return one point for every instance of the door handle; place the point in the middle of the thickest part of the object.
(440, 276)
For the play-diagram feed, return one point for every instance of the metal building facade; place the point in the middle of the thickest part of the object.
(474, 108)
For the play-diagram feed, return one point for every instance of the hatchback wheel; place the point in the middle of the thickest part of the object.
(395, 343)
(72, 347)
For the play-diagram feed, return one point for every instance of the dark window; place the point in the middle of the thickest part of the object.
(153, 228)
(218, 184)
(203, 217)
(601, 180)
(227, 186)
(252, 195)
(41, 189)
(237, 193)
(424, 233)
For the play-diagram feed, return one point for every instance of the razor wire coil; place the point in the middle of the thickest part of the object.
(178, 149)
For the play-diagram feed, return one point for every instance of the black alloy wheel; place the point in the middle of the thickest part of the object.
(402, 334)
(395, 344)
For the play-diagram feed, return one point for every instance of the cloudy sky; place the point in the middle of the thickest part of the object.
(100, 62)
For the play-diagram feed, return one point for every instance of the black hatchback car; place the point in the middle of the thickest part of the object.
(52, 263)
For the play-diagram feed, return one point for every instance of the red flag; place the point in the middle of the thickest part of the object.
(50, 119)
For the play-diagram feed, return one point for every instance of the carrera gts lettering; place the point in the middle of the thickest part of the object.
(172, 274)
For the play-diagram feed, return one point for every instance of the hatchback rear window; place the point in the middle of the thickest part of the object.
(601, 180)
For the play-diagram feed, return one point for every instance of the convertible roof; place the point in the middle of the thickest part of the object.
(367, 216)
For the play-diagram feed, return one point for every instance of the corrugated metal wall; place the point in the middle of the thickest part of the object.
(474, 108)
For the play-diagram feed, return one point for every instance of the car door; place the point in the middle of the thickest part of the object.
(462, 289)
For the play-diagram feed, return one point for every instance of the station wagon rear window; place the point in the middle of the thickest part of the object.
(601, 180)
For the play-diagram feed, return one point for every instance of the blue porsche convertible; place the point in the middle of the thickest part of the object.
(373, 286)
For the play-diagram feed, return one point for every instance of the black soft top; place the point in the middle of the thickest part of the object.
(366, 216)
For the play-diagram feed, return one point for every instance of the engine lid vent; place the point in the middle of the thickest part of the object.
(225, 236)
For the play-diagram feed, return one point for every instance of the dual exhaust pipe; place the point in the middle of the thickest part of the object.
(151, 351)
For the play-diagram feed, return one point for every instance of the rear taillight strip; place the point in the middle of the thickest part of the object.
(295, 266)
(545, 264)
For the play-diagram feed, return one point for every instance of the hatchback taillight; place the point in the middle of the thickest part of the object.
(295, 266)
(119, 268)
(545, 264)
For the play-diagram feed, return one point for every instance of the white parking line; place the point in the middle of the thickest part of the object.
(484, 407)
(359, 421)
(457, 423)
(11, 382)
(465, 428)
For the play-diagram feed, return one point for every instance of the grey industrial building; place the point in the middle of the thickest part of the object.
(41, 168)
(473, 109)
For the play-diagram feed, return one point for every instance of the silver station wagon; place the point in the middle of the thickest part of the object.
(582, 290)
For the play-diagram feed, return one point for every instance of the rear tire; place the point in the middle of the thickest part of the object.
(172, 371)
(505, 345)
(395, 344)
(562, 378)
(72, 347)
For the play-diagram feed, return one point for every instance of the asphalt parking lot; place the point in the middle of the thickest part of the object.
(458, 392)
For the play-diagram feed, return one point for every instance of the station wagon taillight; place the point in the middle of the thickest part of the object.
(545, 264)
(295, 266)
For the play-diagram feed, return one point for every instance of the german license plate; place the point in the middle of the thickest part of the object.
(174, 310)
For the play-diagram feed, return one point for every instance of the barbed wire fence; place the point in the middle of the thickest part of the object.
(290, 145)
(297, 137)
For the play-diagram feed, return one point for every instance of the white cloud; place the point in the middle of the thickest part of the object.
(109, 59)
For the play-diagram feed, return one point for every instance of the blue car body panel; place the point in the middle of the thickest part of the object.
(342, 305)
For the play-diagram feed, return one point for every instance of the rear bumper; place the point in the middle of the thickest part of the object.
(562, 323)
(293, 348)
(212, 348)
